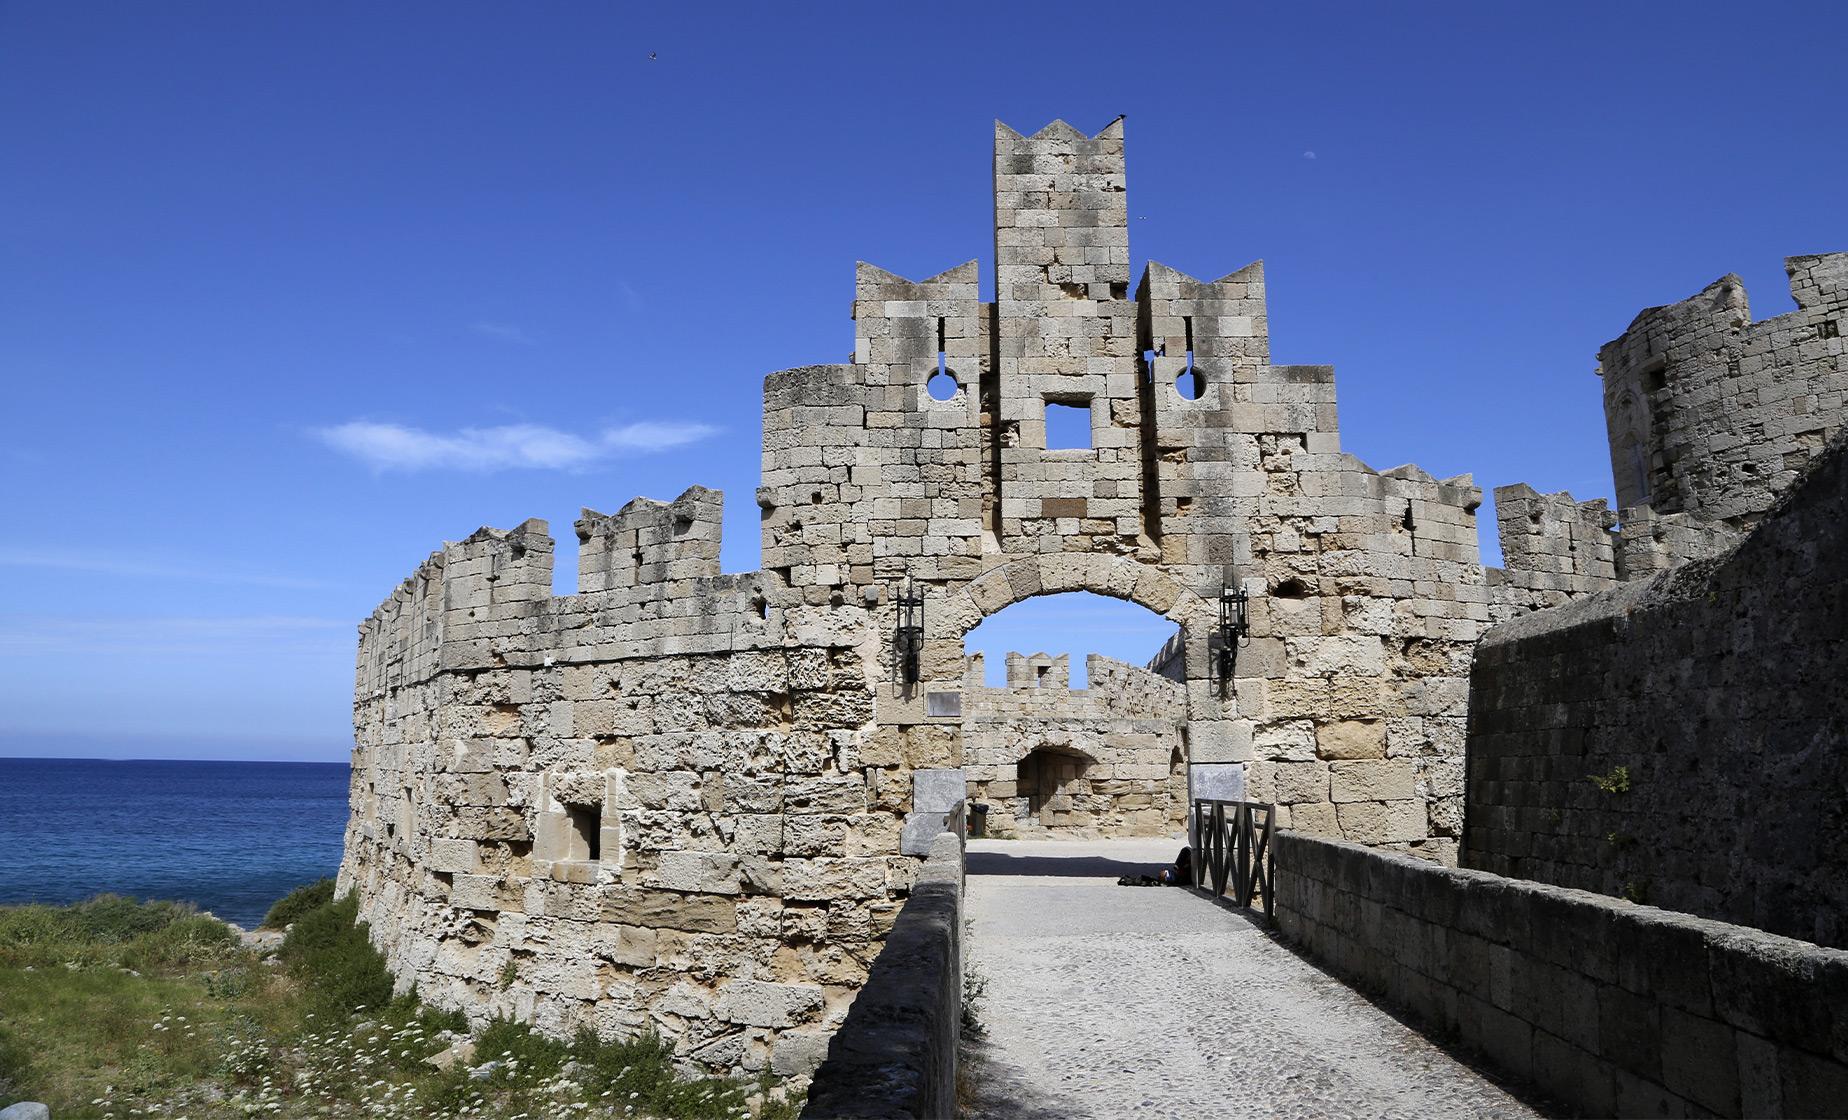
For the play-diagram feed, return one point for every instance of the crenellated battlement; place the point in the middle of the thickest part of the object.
(402, 639)
(1039, 670)
(1553, 545)
(907, 324)
(651, 543)
(1712, 414)
(1220, 326)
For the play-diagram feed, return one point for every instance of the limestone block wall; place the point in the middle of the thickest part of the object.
(1366, 586)
(1683, 739)
(649, 804)
(1619, 1009)
(1554, 548)
(680, 798)
(1649, 542)
(895, 1055)
(1714, 415)
(1066, 336)
(1106, 760)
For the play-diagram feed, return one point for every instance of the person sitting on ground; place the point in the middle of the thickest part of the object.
(1181, 874)
(1178, 875)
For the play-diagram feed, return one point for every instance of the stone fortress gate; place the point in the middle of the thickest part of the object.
(691, 800)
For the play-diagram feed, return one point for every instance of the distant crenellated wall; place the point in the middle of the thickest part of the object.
(1105, 760)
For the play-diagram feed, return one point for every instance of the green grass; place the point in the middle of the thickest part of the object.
(328, 951)
(290, 907)
(112, 1008)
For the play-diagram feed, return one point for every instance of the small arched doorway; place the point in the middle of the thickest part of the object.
(1053, 790)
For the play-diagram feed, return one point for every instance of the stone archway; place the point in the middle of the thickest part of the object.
(1117, 577)
(1216, 745)
(1048, 778)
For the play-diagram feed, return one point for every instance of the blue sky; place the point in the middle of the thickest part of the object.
(293, 292)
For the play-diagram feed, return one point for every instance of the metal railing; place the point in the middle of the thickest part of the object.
(1232, 850)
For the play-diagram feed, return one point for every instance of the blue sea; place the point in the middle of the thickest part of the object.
(232, 837)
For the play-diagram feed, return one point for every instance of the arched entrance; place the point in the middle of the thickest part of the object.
(1076, 707)
(1053, 788)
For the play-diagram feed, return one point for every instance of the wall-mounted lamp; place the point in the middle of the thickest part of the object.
(1233, 632)
(908, 636)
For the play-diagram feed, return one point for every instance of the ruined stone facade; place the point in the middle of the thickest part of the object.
(1710, 416)
(1109, 759)
(680, 798)
(1679, 736)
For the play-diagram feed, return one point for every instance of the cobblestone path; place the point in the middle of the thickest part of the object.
(1108, 1001)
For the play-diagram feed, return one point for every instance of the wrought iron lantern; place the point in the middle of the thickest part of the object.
(908, 636)
(1232, 633)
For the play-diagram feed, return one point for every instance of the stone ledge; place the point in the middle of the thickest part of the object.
(895, 1054)
(1613, 1007)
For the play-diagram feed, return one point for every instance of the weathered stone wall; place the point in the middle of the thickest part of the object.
(1683, 739)
(1713, 415)
(1106, 760)
(895, 1055)
(646, 804)
(1619, 1009)
(1208, 466)
(680, 797)
(1554, 547)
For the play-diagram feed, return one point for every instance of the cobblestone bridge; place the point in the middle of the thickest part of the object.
(1110, 1001)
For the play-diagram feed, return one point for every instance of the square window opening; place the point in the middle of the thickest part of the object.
(1068, 425)
(586, 831)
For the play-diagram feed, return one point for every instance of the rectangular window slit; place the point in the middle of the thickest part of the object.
(586, 831)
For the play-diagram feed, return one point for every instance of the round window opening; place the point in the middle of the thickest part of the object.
(1189, 384)
(943, 385)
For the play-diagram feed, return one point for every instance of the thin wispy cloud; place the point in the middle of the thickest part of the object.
(647, 436)
(37, 635)
(386, 447)
(504, 332)
(169, 569)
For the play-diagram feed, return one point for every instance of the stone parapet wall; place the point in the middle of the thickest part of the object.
(895, 1055)
(1619, 1009)
(1649, 542)
(1554, 548)
(1682, 740)
(654, 806)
